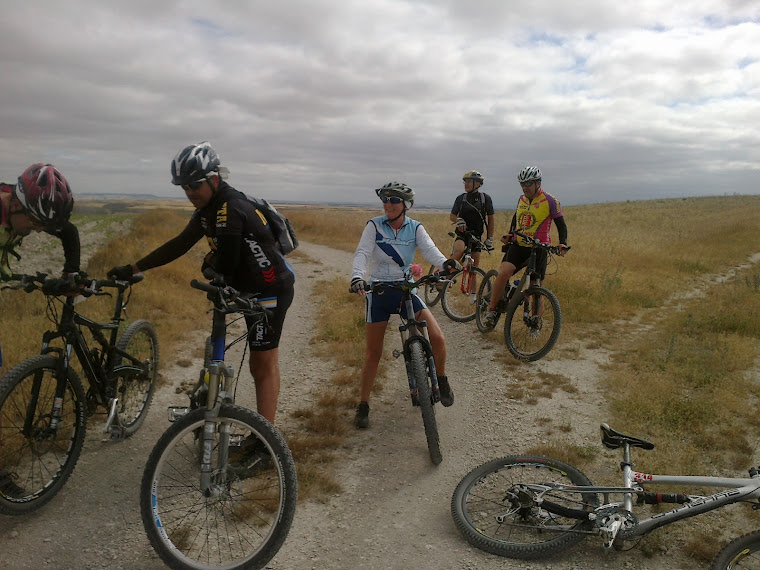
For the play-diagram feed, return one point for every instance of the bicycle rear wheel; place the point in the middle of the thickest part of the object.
(742, 552)
(459, 295)
(495, 510)
(136, 383)
(432, 291)
(422, 379)
(532, 326)
(36, 458)
(242, 521)
(483, 300)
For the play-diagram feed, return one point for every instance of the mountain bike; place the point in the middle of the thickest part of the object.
(418, 357)
(219, 489)
(458, 302)
(529, 507)
(533, 316)
(43, 404)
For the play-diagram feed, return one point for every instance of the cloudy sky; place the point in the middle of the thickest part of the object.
(324, 100)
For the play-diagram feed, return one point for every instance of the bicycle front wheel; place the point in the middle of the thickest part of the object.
(483, 300)
(422, 379)
(242, 519)
(742, 552)
(495, 509)
(532, 326)
(432, 291)
(136, 383)
(37, 456)
(460, 294)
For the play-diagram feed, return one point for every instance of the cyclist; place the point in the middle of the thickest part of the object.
(41, 200)
(536, 209)
(385, 252)
(243, 249)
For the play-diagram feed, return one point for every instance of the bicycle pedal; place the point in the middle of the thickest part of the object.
(117, 432)
(177, 412)
(396, 353)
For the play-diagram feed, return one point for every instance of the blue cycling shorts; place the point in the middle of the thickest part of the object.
(381, 307)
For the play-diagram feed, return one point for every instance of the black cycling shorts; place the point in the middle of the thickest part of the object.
(518, 256)
(467, 238)
(266, 335)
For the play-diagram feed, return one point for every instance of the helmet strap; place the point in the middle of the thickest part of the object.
(391, 220)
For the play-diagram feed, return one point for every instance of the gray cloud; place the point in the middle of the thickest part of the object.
(325, 100)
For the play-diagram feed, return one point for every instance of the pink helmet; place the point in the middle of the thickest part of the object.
(45, 195)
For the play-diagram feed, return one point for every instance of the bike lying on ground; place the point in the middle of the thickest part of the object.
(219, 489)
(43, 404)
(458, 302)
(742, 552)
(418, 357)
(533, 316)
(530, 507)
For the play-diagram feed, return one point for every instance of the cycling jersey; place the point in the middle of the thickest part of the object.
(9, 241)
(243, 246)
(534, 217)
(474, 208)
(386, 254)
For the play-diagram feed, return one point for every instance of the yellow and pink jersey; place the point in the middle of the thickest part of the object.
(534, 217)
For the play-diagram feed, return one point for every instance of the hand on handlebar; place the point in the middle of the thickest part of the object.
(461, 224)
(488, 243)
(563, 249)
(451, 266)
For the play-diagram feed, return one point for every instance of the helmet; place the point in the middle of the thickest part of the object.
(473, 175)
(45, 195)
(529, 174)
(193, 163)
(397, 189)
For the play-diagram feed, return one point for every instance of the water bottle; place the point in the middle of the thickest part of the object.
(512, 288)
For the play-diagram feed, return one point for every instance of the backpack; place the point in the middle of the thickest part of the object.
(282, 229)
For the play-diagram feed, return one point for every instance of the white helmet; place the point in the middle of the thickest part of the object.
(529, 174)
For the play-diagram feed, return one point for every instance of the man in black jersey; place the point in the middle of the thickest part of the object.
(472, 213)
(243, 249)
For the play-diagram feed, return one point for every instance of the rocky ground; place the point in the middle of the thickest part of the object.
(394, 511)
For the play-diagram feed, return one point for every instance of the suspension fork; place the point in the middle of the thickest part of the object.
(428, 351)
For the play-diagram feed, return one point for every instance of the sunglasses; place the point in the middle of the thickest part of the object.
(526, 184)
(193, 185)
(391, 199)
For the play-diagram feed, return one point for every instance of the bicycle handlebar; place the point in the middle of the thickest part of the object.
(74, 284)
(483, 246)
(380, 286)
(534, 242)
(229, 300)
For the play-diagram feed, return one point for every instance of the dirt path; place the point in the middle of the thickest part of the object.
(394, 511)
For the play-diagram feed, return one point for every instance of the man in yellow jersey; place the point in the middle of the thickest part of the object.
(536, 209)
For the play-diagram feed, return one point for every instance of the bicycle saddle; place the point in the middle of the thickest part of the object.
(613, 439)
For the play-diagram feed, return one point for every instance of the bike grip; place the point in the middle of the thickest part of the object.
(195, 284)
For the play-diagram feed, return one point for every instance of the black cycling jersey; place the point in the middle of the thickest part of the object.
(239, 236)
(474, 208)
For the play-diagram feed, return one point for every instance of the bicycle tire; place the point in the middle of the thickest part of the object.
(483, 300)
(38, 464)
(742, 552)
(457, 304)
(430, 291)
(244, 521)
(530, 341)
(495, 514)
(422, 379)
(135, 389)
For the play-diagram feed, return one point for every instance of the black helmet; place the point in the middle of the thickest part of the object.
(194, 163)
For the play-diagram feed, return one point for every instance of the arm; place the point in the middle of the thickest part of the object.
(490, 225)
(172, 249)
(69, 236)
(561, 230)
(363, 252)
(428, 248)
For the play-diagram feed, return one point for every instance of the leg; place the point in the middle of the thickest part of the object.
(374, 336)
(506, 270)
(457, 250)
(265, 369)
(438, 344)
